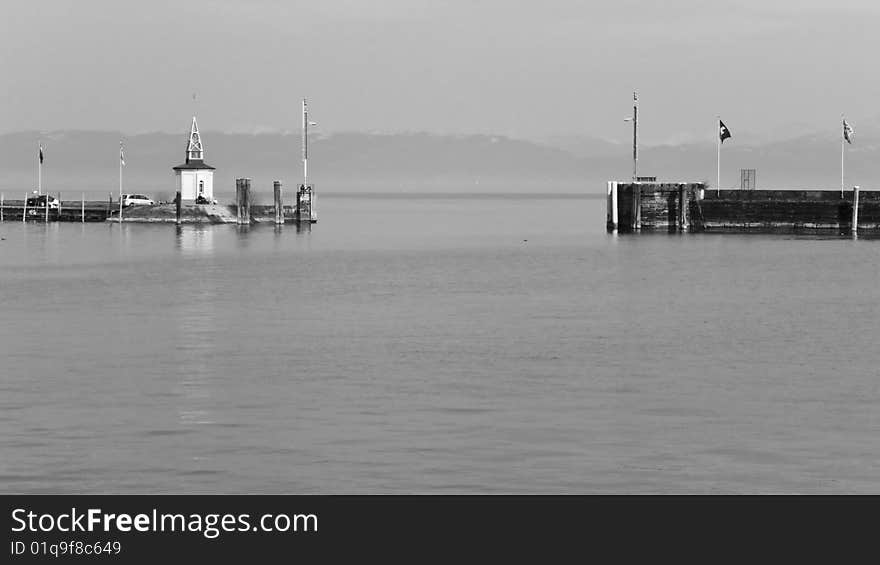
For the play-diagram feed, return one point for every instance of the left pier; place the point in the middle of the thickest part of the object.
(60, 211)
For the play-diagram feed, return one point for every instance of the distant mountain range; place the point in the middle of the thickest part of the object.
(345, 162)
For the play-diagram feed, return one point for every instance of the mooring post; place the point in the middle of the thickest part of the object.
(1, 206)
(246, 192)
(631, 219)
(243, 200)
(637, 204)
(855, 209)
(46, 207)
(614, 213)
(60, 204)
(611, 222)
(24, 209)
(279, 209)
(680, 198)
(82, 209)
(608, 205)
(686, 207)
(238, 189)
(109, 204)
(178, 206)
(682, 208)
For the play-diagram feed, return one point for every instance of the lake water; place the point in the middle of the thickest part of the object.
(436, 344)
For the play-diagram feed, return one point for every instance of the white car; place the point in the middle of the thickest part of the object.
(136, 200)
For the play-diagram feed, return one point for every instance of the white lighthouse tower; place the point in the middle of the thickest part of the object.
(195, 178)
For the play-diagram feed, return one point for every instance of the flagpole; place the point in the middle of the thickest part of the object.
(40, 170)
(842, 141)
(718, 162)
(305, 140)
(635, 137)
(120, 182)
(305, 134)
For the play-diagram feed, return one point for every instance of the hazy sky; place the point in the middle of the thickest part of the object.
(520, 68)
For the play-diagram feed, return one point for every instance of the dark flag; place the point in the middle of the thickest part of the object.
(41, 153)
(723, 132)
(847, 132)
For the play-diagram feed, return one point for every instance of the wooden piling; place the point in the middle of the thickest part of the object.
(46, 207)
(60, 204)
(238, 183)
(609, 223)
(178, 205)
(682, 208)
(247, 201)
(855, 210)
(614, 207)
(279, 207)
(109, 204)
(608, 206)
(82, 209)
(612, 221)
(243, 200)
(637, 206)
(24, 210)
(1, 206)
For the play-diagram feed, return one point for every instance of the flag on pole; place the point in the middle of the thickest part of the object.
(41, 153)
(121, 155)
(847, 132)
(723, 132)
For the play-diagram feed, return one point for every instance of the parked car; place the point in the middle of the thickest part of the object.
(40, 202)
(136, 200)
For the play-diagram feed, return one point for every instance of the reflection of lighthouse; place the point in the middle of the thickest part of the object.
(195, 178)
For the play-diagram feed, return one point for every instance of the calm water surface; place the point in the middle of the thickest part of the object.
(464, 344)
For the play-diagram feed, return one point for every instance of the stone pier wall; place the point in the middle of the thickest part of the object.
(659, 207)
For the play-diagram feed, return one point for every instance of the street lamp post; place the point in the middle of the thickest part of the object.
(637, 193)
(305, 138)
(635, 122)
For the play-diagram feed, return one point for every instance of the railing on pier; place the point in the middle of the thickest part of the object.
(59, 210)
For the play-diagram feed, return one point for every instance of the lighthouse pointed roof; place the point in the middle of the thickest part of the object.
(195, 151)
